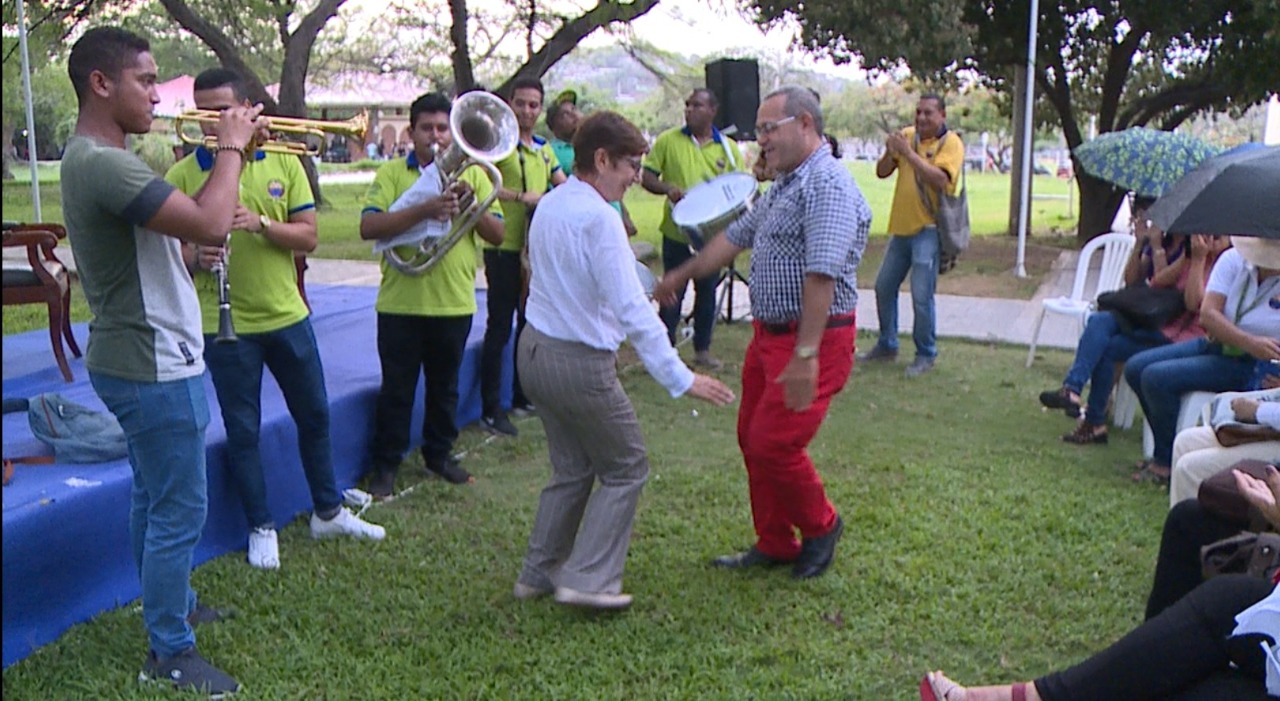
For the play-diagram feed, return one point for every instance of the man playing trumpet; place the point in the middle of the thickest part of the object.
(274, 217)
(423, 320)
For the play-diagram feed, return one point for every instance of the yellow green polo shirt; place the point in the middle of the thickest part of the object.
(677, 159)
(262, 275)
(449, 288)
(908, 215)
(529, 169)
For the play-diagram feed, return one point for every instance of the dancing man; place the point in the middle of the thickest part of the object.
(808, 231)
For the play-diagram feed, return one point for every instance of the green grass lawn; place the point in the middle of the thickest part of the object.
(975, 541)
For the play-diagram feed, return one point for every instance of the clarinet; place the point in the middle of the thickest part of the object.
(226, 331)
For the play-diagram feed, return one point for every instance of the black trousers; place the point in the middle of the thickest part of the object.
(1187, 528)
(1184, 653)
(502, 271)
(407, 344)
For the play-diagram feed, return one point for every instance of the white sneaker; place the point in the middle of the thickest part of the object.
(264, 549)
(595, 600)
(345, 523)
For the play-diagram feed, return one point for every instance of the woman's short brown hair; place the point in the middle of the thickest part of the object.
(609, 131)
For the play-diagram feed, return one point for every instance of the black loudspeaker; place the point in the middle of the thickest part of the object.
(736, 84)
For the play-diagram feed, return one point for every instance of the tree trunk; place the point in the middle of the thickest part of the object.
(463, 76)
(1098, 204)
(292, 94)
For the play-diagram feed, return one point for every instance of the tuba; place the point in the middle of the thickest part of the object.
(484, 131)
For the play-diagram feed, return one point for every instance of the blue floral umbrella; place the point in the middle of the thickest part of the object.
(1145, 161)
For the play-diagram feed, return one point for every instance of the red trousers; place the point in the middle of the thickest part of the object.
(786, 492)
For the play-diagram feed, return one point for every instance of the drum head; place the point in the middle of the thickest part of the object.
(647, 279)
(713, 199)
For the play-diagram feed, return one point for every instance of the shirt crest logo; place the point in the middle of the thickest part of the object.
(720, 164)
(275, 188)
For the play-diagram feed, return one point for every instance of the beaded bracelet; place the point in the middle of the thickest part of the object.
(228, 147)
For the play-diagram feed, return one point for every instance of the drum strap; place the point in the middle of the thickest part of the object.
(728, 153)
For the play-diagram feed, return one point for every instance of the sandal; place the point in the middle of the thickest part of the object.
(936, 687)
(1064, 399)
(1086, 434)
(1152, 474)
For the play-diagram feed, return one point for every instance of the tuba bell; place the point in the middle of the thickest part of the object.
(484, 131)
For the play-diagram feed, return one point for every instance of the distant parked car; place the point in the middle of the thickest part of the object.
(337, 153)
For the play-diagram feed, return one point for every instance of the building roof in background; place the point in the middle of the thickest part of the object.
(362, 89)
(175, 96)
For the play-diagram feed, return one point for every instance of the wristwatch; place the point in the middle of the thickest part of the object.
(265, 221)
(806, 352)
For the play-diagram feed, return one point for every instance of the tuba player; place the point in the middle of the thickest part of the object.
(423, 320)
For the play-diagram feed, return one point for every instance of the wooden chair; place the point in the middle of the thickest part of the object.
(44, 280)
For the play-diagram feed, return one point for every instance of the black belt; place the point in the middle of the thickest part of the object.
(779, 328)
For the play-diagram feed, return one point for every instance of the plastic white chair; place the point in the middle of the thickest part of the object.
(1115, 248)
(1194, 407)
(1125, 407)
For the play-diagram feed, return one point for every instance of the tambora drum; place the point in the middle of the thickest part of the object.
(647, 279)
(709, 208)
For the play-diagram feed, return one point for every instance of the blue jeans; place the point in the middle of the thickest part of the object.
(1161, 376)
(164, 423)
(917, 254)
(675, 253)
(1102, 346)
(291, 355)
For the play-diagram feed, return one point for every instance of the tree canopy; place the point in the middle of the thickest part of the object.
(1124, 62)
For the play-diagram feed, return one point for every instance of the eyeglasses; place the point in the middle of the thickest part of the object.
(636, 162)
(767, 128)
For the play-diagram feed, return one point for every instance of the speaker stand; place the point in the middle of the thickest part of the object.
(728, 277)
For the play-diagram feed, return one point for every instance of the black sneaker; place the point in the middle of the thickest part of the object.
(499, 424)
(187, 670)
(450, 471)
(381, 484)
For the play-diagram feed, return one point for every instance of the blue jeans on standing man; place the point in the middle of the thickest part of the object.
(1161, 376)
(164, 424)
(294, 360)
(674, 254)
(1102, 345)
(918, 255)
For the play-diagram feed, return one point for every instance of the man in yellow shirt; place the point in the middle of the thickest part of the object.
(276, 216)
(423, 320)
(527, 175)
(681, 158)
(927, 158)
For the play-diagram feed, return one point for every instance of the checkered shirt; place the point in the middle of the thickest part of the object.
(812, 220)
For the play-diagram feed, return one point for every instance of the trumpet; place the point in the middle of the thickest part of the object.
(357, 127)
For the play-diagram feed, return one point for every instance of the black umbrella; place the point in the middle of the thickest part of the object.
(1235, 194)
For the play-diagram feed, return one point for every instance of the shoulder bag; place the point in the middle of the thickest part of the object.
(951, 213)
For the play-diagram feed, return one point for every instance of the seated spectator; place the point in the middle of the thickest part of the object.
(1191, 649)
(1197, 454)
(1158, 260)
(1240, 315)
